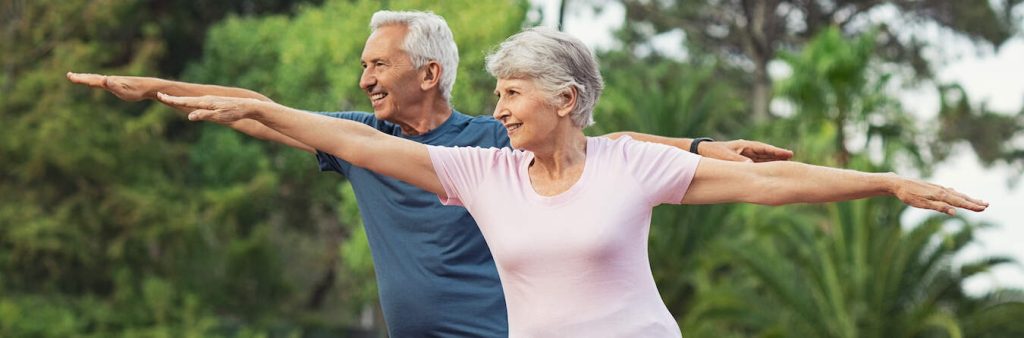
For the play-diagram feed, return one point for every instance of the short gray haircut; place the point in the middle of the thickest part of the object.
(428, 38)
(555, 61)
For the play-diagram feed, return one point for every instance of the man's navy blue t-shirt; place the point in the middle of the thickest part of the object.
(435, 274)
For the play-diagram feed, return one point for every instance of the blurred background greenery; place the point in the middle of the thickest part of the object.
(124, 220)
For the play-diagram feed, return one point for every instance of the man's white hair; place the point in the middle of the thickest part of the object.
(555, 61)
(428, 38)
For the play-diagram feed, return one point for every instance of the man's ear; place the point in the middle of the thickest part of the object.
(567, 101)
(431, 75)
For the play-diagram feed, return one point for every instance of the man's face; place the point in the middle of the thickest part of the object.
(388, 75)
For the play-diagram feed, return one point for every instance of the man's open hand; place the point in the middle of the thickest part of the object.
(128, 88)
(744, 151)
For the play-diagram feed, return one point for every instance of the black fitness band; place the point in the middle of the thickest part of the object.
(696, 142)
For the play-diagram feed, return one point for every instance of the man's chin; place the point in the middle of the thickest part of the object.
(381, 114)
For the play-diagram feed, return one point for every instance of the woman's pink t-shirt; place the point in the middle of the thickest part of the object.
(573, 264)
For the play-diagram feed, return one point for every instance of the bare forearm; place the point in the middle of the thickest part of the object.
(776, 183)
(258, 130)
(793, 182)
(314, 130)
(357, 143)
(354, 142)
(177, 88)
(246, 126)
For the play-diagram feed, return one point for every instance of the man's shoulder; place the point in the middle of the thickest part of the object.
(351, 115)
(483, 131)
(467, 120)
(365, 118)
(486, 121)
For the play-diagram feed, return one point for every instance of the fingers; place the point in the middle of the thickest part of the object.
(946, 200)
(730, 156)
(763, 157)
(960, 200)
(969, 198)
(209, 108)
(944, 208)
(91, 80)
(187, 102)
(763, 152)
(722, 152)
(201, 115)
(766, 156)
(927, 195)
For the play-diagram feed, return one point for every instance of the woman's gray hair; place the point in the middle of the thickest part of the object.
(429, 38)
(555, 61)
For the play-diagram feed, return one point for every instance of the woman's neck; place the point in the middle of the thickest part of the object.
(558, 165)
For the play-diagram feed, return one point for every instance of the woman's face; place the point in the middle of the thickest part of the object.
(524, 109)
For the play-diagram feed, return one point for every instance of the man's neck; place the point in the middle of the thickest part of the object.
(422, 121)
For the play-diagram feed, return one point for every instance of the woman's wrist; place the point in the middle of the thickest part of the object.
(889, 182)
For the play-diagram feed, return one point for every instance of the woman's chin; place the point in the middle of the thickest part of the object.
(517, 145)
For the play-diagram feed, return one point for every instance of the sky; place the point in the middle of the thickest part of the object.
(995, 77)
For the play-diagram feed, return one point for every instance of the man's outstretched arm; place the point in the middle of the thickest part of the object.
(735, 150)
(133, 88)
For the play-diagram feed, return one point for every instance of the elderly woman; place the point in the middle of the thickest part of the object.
(567, 216)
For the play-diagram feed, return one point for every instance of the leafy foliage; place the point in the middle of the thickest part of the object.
(122, 219)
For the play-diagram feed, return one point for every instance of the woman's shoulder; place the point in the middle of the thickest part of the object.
(494, 155)
(606, 145)
(625, 149)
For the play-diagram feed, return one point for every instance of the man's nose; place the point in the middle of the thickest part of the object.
(367, 80)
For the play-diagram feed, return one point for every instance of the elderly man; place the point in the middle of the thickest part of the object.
(435, 274)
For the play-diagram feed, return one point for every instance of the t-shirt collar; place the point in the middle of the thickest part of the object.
(454, 118)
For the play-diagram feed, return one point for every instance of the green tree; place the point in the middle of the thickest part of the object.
(312, 61)
(749, 35)
(849, 269)
(105, 226)
(837, 94)
(756, 31)
(659, 95)
(861, 275)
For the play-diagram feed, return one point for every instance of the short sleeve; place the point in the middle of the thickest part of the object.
(328, 162)
(461, 170)
(664, 172)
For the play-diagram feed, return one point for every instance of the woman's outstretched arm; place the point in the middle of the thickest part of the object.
(777, 183)
(354, 142)
(134, 88)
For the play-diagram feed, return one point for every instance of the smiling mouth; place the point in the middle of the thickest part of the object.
(378, 96)
(513, 127)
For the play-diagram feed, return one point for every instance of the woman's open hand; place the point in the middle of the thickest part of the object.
(218, 109)
(924, 195)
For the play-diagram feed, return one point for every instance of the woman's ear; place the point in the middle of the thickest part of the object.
(567, 101)
(431, 75)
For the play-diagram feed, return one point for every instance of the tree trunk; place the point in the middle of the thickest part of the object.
(762, 93)
(842, 154)
(561, 15)
(758, 15)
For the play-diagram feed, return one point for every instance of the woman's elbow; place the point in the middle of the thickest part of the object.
(771, 193)
(767, 200)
